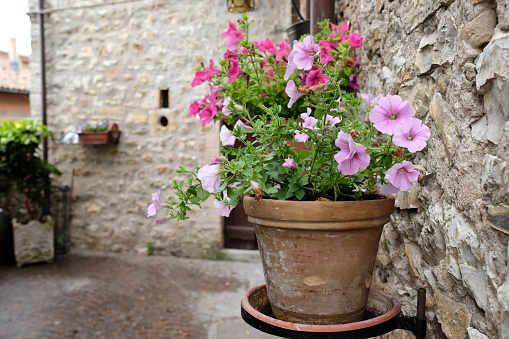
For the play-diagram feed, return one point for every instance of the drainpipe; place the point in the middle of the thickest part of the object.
(320, 10)
(42, 48)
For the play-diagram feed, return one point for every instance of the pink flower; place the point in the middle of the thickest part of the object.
(194, 109)
(156, 206)
(227, 138)
(289, 163)
(340, 29)
(291, 66)
(414, 138)
(352, 157)
(391, 113)
(244, 127)
(216, 160)
(161, 220)
(233, 71)
(369, 99)
(221, 208)
(302, 137)
(315, 77)
(306, 115)
(211, 71)
(354, 40)
(387, 189)
(226, 111)
(330, 120)
(354, 82)
(325, 49)
(233, 35)
(207, 114)
(215, 89)
(266, 46)
(231, 54)
(305, 53)
(199, 78)
(210, 177)
(309, 122)
(292, 91)
(402, 175)
(350, 62)
(282, 49)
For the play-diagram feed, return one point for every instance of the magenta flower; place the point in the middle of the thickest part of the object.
(283, 49)
(352, 157)
(227, 138)
(305, 53)
(161, 220)
(210, 177)
(340, 29)
(302, 137)
(289, 163)
(402, 175)
(215, 89)
(351, 63)
(415, 138)
(292, 91)
(354, 40)
(199, 78)
(231, 54)
(354, 81)
(391, 113)
(221, 208)
(234, 70)
(211, 71)
(266, 46)
(291, 66)
(233, 35)
(156, 206)
(207, 114)
(325, 49)
(315, 77)
(194, 109)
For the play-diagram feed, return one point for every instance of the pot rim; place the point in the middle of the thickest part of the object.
(396, 308)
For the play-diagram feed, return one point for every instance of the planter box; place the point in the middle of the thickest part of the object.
(34, 242)
(109, 137)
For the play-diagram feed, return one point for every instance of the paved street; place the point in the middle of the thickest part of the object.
(96, 295)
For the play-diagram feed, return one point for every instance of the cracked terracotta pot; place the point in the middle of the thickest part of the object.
(318, 256)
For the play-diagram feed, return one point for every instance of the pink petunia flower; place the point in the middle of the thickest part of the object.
(329, 122)
(302, 137)
(402, 175)
(354, 40)
(354, 81)
(215, 89)
(325, 55)
(244, 127)
(387, 189)
(391, 113)
(350, 63)
(211, 71)
(231, 54)
(306, 115)
(233, 35)
(414, 138)
(226, 111)
(266, 46)
(282, 49)
(233, 71)
(210, 177)
(194, 109)
(216, 160)
(352, 157)
(156, 206)
(291, 66)
(207, 114)
(221, 208)
(305, 53)
(289, 163)
(315, 77)
(343, 28)
(309, 122)
(227, 138)
(369, 99)
(292, 91)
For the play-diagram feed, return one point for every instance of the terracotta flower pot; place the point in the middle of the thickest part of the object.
(318, 256)
(100, 138)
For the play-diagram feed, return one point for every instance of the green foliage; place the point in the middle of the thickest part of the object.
(21, 164)
(150, 248)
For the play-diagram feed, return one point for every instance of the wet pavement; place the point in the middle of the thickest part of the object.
(86, 294)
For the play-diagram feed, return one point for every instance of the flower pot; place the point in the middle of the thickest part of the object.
(100, 138)
(34, 241)
(297, 30)
(318, 256)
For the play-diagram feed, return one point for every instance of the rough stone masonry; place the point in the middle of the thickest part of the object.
(449, 58)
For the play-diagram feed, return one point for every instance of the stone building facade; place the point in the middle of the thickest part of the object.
(113, 60)
(449, 58)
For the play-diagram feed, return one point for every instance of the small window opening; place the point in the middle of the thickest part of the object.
(163, 121)
(164, 98)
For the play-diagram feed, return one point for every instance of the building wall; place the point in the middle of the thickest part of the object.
(110, 62)
(449, 58)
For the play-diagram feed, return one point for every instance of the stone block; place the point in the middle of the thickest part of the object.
(418, 96)
(498, 217)
(34, 241)
(477, 283)
(503, 14)
(480, 30)
(453, 316)
(474, 333)
(441, 113)
(493, 181)
(136, 118)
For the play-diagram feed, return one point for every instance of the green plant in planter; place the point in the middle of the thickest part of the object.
(21, 164)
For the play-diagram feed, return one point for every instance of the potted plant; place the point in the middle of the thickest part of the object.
(102, 133)
(31, 177)
(318, 211)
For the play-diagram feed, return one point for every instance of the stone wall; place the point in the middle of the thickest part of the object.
(109, 60)
(450, 59)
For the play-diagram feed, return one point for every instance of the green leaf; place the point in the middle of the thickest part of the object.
(201, 193)
(300, 193)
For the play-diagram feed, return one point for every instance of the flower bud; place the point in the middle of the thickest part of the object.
(355, 134)
(398, 152)
(257, 188)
